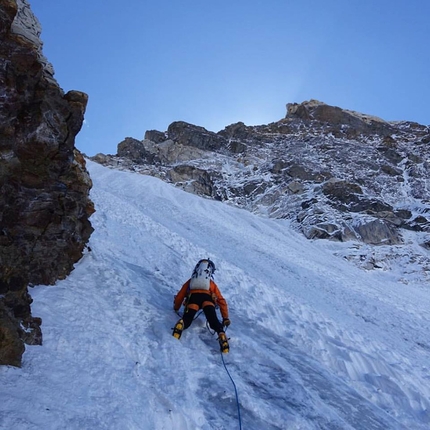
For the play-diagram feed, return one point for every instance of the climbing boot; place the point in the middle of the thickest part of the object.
(179, 327)
(223, 343)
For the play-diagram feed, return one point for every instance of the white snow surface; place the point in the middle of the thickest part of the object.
(315, 343)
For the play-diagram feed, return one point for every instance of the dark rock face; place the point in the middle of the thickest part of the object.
(192, 135)
(155, 136)
(135, 150)
(44, 185)
(201, 182)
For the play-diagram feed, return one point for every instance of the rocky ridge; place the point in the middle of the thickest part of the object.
(354, 179)
(44, 184)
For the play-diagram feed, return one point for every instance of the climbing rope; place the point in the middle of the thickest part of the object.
(225, 367)
(197, 315)
(235, 391)
(212, 332)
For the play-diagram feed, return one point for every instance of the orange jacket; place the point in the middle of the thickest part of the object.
(213, 291)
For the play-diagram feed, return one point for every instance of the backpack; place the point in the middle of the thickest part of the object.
(202, 275)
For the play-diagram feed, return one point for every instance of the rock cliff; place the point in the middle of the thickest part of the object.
(44, 194)
(336, 174)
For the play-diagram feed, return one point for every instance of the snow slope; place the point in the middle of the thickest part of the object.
(315, 343)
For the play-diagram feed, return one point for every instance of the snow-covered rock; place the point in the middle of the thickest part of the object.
(335, 173)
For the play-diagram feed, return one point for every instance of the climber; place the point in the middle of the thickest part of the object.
(201, 292)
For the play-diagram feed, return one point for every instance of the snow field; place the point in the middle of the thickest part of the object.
(315, 343)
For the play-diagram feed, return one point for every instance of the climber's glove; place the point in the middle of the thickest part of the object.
(226, 322)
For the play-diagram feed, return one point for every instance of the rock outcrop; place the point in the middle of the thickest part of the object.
(357, 123)
(44, 194)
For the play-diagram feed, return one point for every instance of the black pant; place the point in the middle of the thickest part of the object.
(203, 301)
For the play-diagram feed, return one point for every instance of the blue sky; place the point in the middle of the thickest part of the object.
(146, 63)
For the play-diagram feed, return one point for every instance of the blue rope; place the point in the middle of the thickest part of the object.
(228, 373)
(235, 390)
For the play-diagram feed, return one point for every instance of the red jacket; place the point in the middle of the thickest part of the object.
(213, 291)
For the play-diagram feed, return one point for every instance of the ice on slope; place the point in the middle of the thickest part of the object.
(315, 343)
